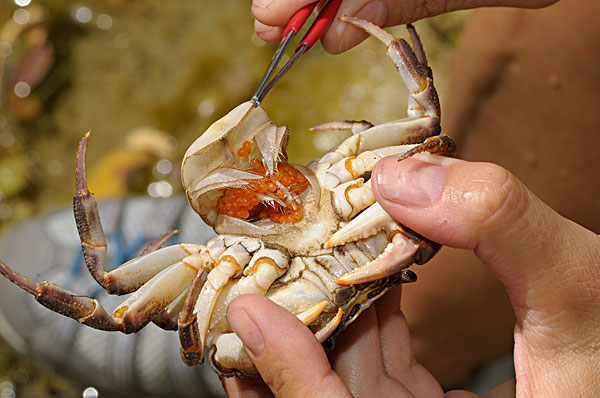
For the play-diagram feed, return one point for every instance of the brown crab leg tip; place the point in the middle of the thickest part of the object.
(80, 175)
(186, 313)
(23, 282)
(158, 242)
(408, 276)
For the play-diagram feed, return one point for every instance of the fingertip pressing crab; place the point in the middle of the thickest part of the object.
(311, 238)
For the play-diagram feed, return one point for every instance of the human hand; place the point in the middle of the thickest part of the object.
(271, 16)
(549, 265)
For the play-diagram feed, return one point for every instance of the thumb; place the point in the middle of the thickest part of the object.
(548, 264)
(287, 355)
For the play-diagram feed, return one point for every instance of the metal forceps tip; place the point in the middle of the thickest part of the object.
(316, 30)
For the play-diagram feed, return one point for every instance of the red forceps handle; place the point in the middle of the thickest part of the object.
(316, 30)
(299, 19)
(321, 23)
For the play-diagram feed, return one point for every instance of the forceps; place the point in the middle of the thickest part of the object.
(316, 30)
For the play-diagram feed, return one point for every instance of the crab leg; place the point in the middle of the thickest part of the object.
(358, 153)
(412, 67)
(136, 272)
(399, 132)
(194, 328)
(167, 319)
(265, 266)
(307, 317)
(133, 314)
(133, 274)
(403, 249)
(189, 339)
(93, 242)
(324, 333)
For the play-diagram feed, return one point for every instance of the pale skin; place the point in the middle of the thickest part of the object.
(549, 266)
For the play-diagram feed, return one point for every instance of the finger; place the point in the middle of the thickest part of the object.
(398, 355)
(251, 387)
(377, 347)
(544, 260)
(270, 34)
(357, 359)
(285, 352)
(340, 36)
(276, 12)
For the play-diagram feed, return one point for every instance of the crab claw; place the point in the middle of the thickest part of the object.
(398, 254)
(404, 248)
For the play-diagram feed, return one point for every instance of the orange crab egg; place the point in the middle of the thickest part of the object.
(245, 149)
(242, 202)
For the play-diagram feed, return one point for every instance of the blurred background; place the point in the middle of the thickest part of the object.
(148, 78)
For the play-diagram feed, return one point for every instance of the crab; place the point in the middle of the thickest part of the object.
(311, 238)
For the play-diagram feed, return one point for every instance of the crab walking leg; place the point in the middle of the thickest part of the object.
(324, 333)
(194, 328)
(84, 309)
(399, 132)
(266, 266)
(414, 72)
(93, 241)
(153, 297)
(167, 319)
(189, 341)
(131, 315)
(136, 272)
(133, 274)
(345, 125)
(158, 242)
(423, 104)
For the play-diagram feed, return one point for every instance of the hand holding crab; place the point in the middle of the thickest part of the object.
(548, 264)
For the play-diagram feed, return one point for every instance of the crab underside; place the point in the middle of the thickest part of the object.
(311, 238)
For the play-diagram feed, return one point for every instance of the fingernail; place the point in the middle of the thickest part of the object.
(375, 12)
(411, 182)
(260, 27)
(247, 331)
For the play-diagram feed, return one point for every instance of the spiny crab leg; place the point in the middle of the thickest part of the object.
(193, 327)
(158, 277)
